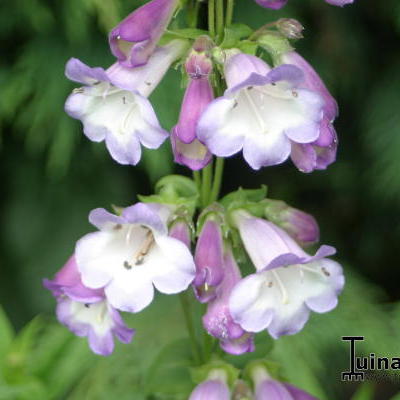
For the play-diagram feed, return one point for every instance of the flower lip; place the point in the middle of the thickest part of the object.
(285, 72)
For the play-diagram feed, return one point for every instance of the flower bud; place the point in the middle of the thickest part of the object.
(212, 389)
(299, 225)
(290, 27)
(180, 230)
(209, 261)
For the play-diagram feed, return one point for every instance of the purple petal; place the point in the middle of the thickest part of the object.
(274, 4)
(340, 3)
(211, 390)
(144, 214)
(77, 71)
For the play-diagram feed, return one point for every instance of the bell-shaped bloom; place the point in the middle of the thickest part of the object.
(134, 39)
(322, 152)
(277, 4)
(209, 259)
(130, 254)
(274, 4)
(113, 104)
(218, 321)
(212, 389)
(262, 112)
(289, 283)
(67, 282)
(188, 150)
(299, 225)
(267, 388)
(98, 321)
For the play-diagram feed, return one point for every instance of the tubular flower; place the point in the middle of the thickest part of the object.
(218, 321)
(134, 39)
(277, 4)
(267, 388)
(289, 283)
(130, 254)
(214, 388)
(299, 225)
(322, 152)
(98, 321)
(85, 311)
(209, 259)
(113, 106)
(262, 112)
(188, 150)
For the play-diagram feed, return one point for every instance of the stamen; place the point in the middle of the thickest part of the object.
(148, 243)
(285, 297)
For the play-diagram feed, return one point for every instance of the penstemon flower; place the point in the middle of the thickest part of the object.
(113, 104)
(135, 38)
(262, 112)
(289, 283)
(213, 388)
(218, 321)
(209, 259)
(188, 150)
(277, 4)
(322, 152)
(267, 388)
(130, 254)
(86, 311)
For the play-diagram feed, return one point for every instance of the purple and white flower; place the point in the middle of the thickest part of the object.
(262, 112)
(267, 388)
(135, 38)
(277, 4)
(98, 321)
(188, 150)
(218, 321)
(322, 152)
(214, 388)
(209, 259)
(130, 255)
(299, 225)
(85, 311)
(289, 283)
(113, 104)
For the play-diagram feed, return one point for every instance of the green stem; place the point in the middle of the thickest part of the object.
(211, 17)
(197, 180)
(206, 184)
(220, 19)
(190, 327)
(219, 170)
(229, 12)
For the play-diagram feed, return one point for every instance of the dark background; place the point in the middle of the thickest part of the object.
(52, 176)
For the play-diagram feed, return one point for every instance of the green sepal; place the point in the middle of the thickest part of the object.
(175, 190)
(248, 47)
(186, 33)
(234, 33)
(243, 196)
(272, 368)
(202, 373)
(275, 44)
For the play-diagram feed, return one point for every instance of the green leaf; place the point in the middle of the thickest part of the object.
(186, 33)
(366, 391)
(6, 334)
(234, 33)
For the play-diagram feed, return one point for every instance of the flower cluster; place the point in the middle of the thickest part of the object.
(184, 235)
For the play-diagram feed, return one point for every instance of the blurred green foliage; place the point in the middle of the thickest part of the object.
(52, 176)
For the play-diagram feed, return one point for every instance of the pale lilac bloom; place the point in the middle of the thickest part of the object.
(218, 321)
(322, 152)
(288, 284)
(212, 389)
(113, 104)
(188, 150)
(130, 255)
(180, 230)
(135, 38)
(85, 311)
(277, 4)
(267, 388)
(209, 259)
(98, 321)
(262, 112)
(67, 282)
(299, 225)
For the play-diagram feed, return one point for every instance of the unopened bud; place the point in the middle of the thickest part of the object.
(290, 28)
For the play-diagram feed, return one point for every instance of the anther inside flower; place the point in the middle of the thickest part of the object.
(130, 254)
